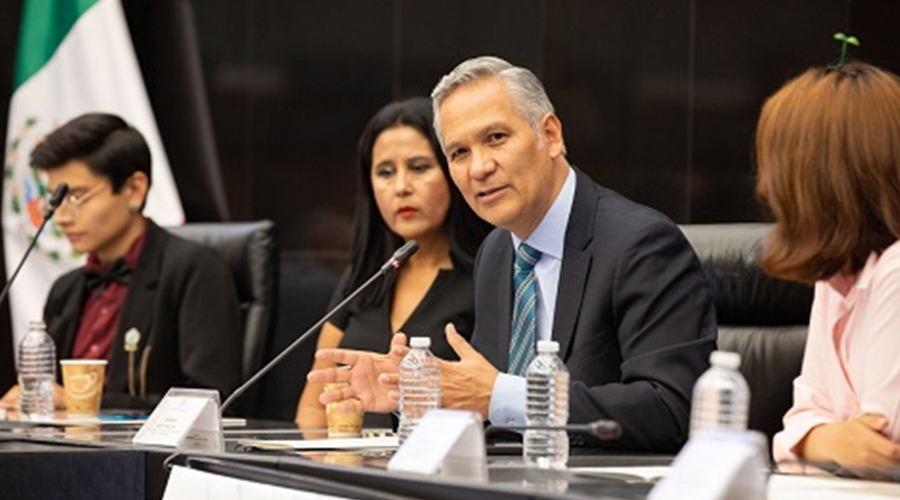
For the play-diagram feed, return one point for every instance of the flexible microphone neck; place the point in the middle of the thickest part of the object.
(603, 429)
(396, 260)
(55, 201)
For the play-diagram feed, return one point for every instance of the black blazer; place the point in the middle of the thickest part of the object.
(182, 299)
(634, 318)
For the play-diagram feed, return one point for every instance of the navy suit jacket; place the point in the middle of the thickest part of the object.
(634, 317)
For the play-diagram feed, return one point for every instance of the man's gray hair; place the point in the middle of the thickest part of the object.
(527, 92)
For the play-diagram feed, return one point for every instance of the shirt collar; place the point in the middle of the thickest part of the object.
(849, 287)
(131, 256)
(550, 235)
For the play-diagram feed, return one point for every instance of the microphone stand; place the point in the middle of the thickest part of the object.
(398, 258)
(55, 201)
(394, 262)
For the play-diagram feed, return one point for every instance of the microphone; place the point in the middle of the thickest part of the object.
(400, 256)
(605, 430)
(55, 201)
(397, 259)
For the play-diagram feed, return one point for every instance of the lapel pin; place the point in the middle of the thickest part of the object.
(132, 338)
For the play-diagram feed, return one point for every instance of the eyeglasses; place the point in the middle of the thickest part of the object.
(73, 201)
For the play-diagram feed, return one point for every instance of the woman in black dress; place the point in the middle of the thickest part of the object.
(405, 193)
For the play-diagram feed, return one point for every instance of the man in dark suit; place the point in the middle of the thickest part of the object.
(613, 282)
(162, 310)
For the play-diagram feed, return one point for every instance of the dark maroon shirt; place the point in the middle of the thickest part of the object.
(100, 315)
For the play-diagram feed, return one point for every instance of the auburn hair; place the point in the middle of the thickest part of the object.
(828, 166)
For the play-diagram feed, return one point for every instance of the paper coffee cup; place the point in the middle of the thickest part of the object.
(83, 384)
(342, 423)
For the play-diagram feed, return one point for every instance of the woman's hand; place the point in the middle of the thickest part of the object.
(858, 442)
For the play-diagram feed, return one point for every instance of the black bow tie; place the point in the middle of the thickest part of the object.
(96, 282)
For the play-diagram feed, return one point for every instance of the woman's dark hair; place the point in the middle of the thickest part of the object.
(106, 143)
(828, 159)
(373, 241)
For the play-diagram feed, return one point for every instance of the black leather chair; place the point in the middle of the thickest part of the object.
(762, 318)
(304, 291)
(251, 251)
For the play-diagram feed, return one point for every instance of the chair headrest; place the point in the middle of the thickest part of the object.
(742, 292)
(249, 249)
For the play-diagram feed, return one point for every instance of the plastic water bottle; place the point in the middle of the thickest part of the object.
(420, 385)
(37, 372)
(547, 405)
(721, 396)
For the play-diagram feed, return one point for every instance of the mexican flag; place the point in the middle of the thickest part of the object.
(74, 57)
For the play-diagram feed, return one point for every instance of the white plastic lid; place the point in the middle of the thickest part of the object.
(420, 342)
(725, 359)
(547, 346)
(36, 325)
(83, 362)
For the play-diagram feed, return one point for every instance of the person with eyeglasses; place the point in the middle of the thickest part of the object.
(162, 310)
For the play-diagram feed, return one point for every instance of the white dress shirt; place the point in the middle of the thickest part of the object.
(508, 396)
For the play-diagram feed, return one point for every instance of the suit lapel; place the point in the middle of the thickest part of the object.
(137, 311)
(576, 263)
(493, 300)
(70, 316)
(504, 291)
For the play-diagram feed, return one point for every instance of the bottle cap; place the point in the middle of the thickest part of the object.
(547, 346)
(36, 325)
(420, 342)
(725, 359)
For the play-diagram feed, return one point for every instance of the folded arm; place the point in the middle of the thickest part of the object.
(817, 431)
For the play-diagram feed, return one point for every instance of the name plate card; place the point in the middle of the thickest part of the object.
(187, 419)
(449, 443)
(717, 465)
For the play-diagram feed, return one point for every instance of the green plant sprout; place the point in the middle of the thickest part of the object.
(844, 39)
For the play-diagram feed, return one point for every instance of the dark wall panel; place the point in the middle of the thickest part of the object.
(435, 36)
(291, 85)
(744, 52)
(618, 74)
(10, 12)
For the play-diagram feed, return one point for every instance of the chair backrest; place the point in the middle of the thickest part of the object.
(762, 318)
(304, 291)
(250, 249)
